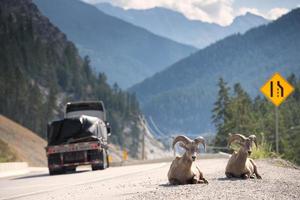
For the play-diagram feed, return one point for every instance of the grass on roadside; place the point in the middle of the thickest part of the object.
(264, 150)
(6, 155)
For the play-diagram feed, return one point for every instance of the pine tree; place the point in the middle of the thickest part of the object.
(240, 112)
(242, 115)
(220, 112)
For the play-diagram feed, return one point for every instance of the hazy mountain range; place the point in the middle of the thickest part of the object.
(126, 53)
(176, 26)
(41, 70)
(180, 98)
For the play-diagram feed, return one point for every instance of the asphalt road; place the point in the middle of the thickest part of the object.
(149, 181)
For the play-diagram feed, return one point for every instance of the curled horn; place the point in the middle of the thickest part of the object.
(253, 138)
(181, 138)
(233, 137)
(201, 140)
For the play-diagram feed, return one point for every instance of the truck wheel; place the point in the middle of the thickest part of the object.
(103, 165)
(56, 171)
(107, 160)
(104, 158)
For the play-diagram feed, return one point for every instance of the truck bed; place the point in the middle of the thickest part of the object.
(83, 153)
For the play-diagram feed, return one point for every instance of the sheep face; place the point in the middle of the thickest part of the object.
(191, 150)
(248, 145)
(191, 146)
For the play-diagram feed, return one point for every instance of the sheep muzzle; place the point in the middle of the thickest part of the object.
(193, 158)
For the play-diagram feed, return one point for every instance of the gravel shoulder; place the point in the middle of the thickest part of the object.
(281, 180)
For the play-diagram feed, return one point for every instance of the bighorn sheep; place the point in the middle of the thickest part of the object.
(184, 170)
(239, 165)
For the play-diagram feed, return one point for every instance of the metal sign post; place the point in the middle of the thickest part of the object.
(277, 89)
(276, 129)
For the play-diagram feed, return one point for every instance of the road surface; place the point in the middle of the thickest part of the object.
(149, 181)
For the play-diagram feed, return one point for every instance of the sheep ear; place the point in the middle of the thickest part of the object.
(182, 145)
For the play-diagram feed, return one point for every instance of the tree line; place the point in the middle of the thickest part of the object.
(236, 112)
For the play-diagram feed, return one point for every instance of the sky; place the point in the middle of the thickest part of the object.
(214, 11)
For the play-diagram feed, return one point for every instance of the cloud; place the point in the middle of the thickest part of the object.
(276, 13)
(213, 11)
(272, 14)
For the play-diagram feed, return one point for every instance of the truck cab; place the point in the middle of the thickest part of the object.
(89, 108)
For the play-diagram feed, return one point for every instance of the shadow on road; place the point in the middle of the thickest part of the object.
(47, 174)
(167, 185)
(229, 179)
(31, 176)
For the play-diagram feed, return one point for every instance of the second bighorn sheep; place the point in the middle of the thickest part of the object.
(239, 165)
(184, 170)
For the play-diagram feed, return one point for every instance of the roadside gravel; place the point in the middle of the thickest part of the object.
(280, 181)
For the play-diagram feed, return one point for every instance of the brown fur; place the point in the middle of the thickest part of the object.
(184, 170)
(239, 165)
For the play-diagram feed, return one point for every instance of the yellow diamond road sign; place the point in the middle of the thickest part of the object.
(277, 89)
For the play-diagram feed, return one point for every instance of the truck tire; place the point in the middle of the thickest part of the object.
(107, 160)
(56, 171)
(103, 165)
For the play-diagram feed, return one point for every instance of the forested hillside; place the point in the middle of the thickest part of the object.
(236, 112)
(126, 53)
(41, 70)
(181, 97)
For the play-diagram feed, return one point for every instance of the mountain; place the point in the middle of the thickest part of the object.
(243, 23)
(26, 145)
(181, 97)
(176, 26)
(41, 70)
(126, 53)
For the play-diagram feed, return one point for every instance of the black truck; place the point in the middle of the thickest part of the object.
(81, 138)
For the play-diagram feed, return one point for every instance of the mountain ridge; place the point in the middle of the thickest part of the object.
(125, 52)
(250, 58)
(176, 26)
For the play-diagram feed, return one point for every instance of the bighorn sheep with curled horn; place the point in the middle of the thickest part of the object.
(239, 165)
(184, 170)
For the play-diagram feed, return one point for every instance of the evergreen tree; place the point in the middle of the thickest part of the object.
(258, 117)
(220, 112)
(240, 112)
